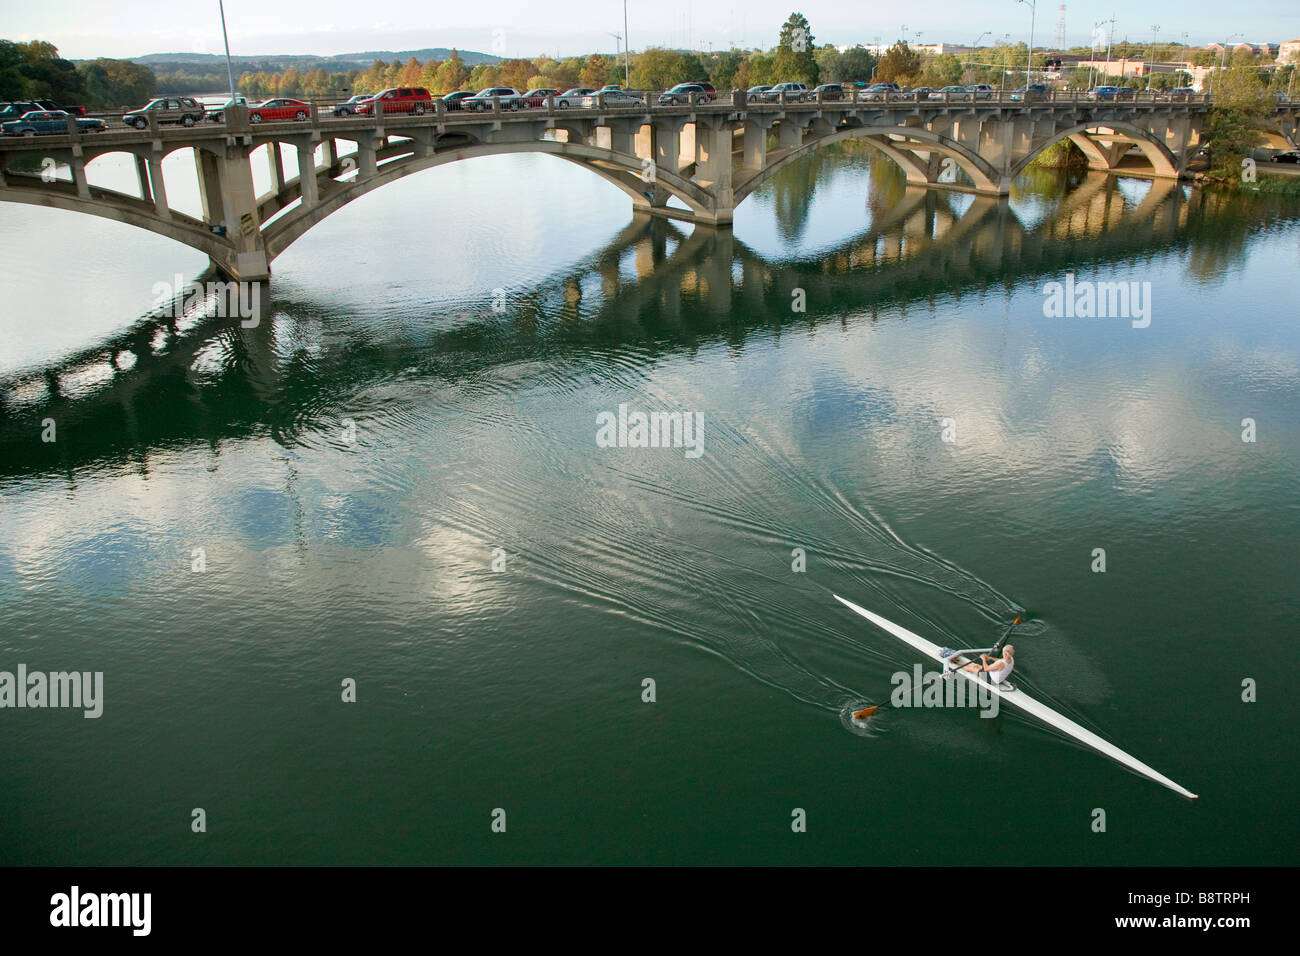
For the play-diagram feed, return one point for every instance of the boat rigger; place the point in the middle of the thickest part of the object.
(1018, 698)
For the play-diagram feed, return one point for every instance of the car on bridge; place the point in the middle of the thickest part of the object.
(1112, 93)
(349, 106)
(880, 91)
(613, 98)
(281, 108)
(572, 98)
(981, 91)
(217, 114)
(453, 100)
(537, 98)
(16, 110)
(398, 99)
(684, 93)
(829, 92)
(1034, 92)
(920, 94)
(40, 122)
(794, 93)
(481, 102)
(956, 93)
(753, 94)
(185, 110)
(52, 107)
(1181, 94)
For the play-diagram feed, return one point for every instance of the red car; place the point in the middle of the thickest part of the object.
(536, 98)
(403, 99)
(279, 109)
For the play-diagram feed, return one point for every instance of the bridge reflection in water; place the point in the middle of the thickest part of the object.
(656, 288)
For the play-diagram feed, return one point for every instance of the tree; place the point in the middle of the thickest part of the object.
(410, 74)
(900, 64)
(657, 69)
(452, 75)
(723, 67)
(11, 74)
(113, 83)
(943, 70)
(47, 75)
(595, 72)
(1233, 126)
(856, 64)
(795, 57)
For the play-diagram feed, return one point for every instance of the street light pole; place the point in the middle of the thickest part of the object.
(1033, 12)
(627, 44)
(230, 72)
(1155, 31)
(970, 64)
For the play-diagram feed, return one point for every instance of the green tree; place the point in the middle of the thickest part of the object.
(796, 60)
(1234, 125)
(114, 83)
(943, 70)
(723, 67)
(45, 74)
(856, 64)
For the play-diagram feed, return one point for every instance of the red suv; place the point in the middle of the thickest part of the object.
(399, 99)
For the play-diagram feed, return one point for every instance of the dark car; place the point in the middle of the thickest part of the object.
(708, 88)
(53, 107)
(184, 110)
(1029, 94)
(684, 93)
(1104, 93)
(828, 92)
(349, 106)
(1181, 93)
(16, 110)
(794, 93)
(39, 122)
(452, 100)
(1125, 93)
(1284, 158)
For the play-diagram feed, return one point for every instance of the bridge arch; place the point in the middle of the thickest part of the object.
(622, 170)
(1163, 161)
(981, 172)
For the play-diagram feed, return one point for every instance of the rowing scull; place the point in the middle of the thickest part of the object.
(1030, 706)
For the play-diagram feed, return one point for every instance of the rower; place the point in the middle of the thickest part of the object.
(994, 669)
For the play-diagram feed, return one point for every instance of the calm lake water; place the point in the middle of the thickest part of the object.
(420, 401)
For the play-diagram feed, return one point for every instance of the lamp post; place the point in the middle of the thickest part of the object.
(970, 64)
(1033, 12)
(617, 49)
(1155, 31)
(1096, 43)
(627, 68)
(1223, 57)
(230, 72)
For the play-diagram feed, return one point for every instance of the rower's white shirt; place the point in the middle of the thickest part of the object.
(1003, 672)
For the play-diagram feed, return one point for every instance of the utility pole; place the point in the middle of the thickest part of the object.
(1110, 41)
(1155, 31)
(970, 65)
(627, 44)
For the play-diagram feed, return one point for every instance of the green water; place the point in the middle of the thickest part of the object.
(475, 416)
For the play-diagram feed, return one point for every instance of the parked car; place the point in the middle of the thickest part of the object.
(613, 98)
(1034, 92)
(1104, 93)
(398, 99)
(956, 93)
(16, 110)
(1275, 158)
(754, 93)
(981, 91)
(1125, 93)
(1181, 93)
(684, 93)
(611, 88)
(920, 94)
(217, 114)
(708, 88)
(452, 101)
(536, 98)
(184, 110)
(281, 108)
(794, 93)
(481, 102)
(829, 92)
(39, 122)
(349, 106)
(572, 98)
(53, 107)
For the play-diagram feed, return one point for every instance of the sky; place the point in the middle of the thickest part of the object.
(83, 29)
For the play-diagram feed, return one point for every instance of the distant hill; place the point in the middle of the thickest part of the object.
(216, 62)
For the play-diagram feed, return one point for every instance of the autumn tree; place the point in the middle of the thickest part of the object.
(795, 54)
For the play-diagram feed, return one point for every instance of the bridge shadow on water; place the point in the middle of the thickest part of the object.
(658, 288)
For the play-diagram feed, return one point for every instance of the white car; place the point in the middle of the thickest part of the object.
(572, 99)
(481, 102)
(613, 98)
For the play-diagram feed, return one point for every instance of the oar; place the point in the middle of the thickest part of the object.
(865, 712)
(998, 646)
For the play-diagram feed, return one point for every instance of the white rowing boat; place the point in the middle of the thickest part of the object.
(1019, 699)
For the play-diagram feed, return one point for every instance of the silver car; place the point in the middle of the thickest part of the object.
(572, 99)
(613, 98)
